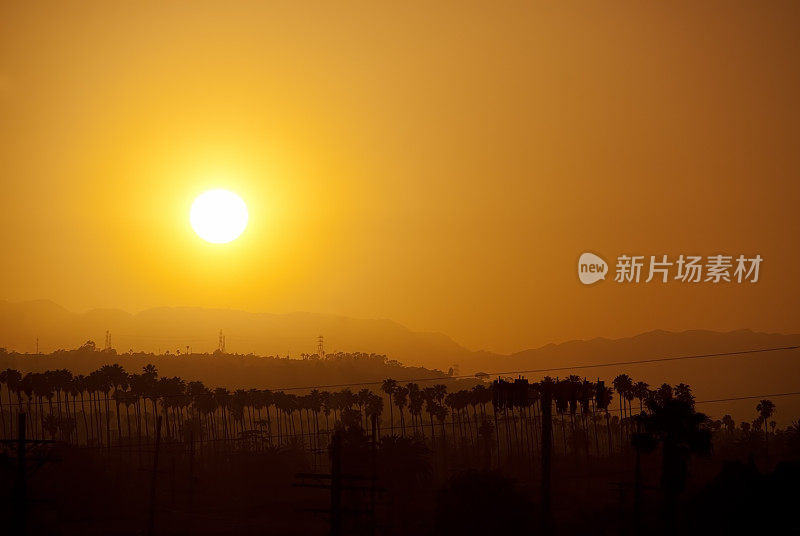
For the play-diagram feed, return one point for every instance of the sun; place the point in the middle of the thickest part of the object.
(218, 216)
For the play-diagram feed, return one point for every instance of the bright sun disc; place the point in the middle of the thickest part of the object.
(218, 216)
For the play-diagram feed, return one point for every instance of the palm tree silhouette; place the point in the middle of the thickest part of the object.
(729, 424)
(765, 409)
(374, 409)
(149, 380)
(363, 400)
(603, 397)
(684, 392)
(117, 378)
(662, 394)
(681, 432)
(400, 397)
(415, 402)
(623, 384)
(641, 391)
(4, 381)
(221, 398)
(14, 383)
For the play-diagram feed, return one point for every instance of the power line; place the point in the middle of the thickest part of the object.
(553, 369)
(748, 397)
(505, 373)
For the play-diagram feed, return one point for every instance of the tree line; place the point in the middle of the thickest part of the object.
(111, 406)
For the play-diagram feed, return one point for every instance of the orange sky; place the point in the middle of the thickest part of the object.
(440, 165)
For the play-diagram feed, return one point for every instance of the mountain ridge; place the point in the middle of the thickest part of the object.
(172, 329)
(175, 327)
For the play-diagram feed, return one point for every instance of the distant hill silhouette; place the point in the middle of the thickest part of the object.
(172, 329)
(712, 377)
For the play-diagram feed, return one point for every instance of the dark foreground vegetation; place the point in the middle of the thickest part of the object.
(133, 452)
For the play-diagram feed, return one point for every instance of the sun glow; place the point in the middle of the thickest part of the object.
(218, 216)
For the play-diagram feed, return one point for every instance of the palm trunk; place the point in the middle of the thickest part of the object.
(391, 414)
(119, 422)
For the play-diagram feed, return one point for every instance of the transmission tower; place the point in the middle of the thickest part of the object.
(321, 346)
(221, 342)
(108, 340)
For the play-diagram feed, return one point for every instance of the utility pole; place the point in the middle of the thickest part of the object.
(336, 485)
(152, 514)
(20, 515)
(547, 447)
(21, 494)
(374, 474)
(340, 482)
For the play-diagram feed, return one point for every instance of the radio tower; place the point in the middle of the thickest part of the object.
(321, 346)
(221, 342)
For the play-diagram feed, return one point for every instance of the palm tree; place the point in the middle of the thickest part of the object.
(149, 378)
(42, 388)
(26, 385)
(221, 397)
(441, 416)
(77, 388)
(118, 379)
(103, 384)
(623, 384)
(374, 408)
(363, 399)
(430, 407)
(14, 383)
(389, 386)
(641, 391)
(745, 426)
(561, 398)
(684, 392)
(415, 401)
(400, 396)
(573, 395)
(729, 424)
(206, 404)
(195, 391)
(765, 409)
(793, 436)
(327, 406)
(662, 394)
(4, 381)
(587, 393)
(451, 400)
(315, 404)
(138, 389)
(61, 379)
(603, 397)
(682, 432)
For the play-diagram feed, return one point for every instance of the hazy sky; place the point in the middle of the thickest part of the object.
(442, 165)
